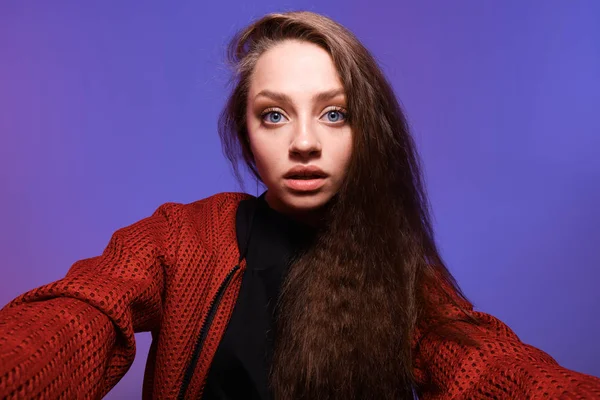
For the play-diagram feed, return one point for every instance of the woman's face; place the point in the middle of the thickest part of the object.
(296, 118)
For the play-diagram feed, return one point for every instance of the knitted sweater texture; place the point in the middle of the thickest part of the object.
(74, 338)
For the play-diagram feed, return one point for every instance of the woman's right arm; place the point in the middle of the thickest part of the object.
(74, 338)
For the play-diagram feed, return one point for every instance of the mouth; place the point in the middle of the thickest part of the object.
(304, 183)
(305, 177)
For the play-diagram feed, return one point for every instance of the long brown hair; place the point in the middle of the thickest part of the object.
(351, 303)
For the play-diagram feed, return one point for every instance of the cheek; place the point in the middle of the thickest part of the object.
(264, 157)
(344, 150)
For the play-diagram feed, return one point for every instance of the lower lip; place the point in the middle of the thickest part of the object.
(305, 185)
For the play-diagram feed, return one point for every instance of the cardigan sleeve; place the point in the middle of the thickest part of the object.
(74, 338)
(498, 366)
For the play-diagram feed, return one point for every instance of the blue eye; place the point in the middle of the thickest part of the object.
(335, 116)
(273, 117)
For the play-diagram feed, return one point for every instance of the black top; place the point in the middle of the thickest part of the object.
(242, 361)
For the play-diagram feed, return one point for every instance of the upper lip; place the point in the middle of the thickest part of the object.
(305, 170)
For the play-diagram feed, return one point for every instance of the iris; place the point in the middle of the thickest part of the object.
(274, 117)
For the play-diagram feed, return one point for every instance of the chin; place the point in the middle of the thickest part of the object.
(305, 201)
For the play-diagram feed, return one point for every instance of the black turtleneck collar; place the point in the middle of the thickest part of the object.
(257, 221)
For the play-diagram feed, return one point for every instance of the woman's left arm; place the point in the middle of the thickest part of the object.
(500, 366)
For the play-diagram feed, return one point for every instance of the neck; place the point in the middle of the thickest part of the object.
(311, 217)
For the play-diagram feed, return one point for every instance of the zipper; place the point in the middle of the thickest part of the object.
(212, 311)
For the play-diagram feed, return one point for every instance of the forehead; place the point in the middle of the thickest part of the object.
(294, 68)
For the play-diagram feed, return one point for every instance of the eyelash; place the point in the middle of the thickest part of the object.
(266, 112)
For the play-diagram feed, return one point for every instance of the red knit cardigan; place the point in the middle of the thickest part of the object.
(176, 274)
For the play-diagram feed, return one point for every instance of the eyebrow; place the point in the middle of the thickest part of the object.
(284, 98)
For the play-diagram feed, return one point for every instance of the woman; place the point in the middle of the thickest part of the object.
(327, 286)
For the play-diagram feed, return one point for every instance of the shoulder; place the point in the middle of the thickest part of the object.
(215, 207)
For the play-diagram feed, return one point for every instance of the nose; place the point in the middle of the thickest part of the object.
(305, 142)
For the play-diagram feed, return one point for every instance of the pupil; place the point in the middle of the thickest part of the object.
(275, 117)
(333, 115)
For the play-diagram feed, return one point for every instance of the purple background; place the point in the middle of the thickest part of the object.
(108, 110)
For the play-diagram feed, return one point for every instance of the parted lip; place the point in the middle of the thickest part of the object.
(305, 170)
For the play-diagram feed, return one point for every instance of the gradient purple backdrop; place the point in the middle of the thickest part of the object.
(108, 110)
